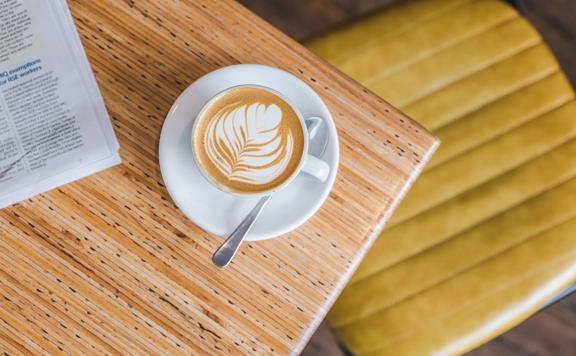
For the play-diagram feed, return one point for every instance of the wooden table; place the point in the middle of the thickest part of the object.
(109, 264)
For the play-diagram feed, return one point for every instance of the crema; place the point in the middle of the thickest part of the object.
(248, 140)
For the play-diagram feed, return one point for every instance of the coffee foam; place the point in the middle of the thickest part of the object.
(248, 140)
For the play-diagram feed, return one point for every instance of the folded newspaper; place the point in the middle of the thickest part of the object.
(54, 127)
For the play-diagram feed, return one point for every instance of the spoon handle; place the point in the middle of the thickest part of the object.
(228, 249)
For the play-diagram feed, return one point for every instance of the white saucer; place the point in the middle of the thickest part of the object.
(218, 212)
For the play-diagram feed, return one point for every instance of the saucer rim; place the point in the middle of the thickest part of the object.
(332, 134)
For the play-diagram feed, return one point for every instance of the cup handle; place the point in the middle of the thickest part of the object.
(314, 166)
(313, 125)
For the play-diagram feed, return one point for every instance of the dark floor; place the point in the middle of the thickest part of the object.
(301, 19)
(552, 331)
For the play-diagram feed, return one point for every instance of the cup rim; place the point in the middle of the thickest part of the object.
(294, 173)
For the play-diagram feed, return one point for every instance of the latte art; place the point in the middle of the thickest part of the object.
(247, 144)
(248, 140)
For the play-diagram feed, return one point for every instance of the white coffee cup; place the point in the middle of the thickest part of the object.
(308, 164)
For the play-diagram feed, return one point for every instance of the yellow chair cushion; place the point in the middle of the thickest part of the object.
(487, 235)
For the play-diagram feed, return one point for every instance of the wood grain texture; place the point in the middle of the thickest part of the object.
(108, 264)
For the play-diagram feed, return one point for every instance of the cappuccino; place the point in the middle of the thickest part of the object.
(248, 140)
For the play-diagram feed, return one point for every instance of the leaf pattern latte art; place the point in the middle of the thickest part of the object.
(246, 143)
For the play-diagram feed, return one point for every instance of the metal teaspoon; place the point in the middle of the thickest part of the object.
(226, 252)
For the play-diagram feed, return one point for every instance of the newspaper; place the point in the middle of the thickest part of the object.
(54, 128)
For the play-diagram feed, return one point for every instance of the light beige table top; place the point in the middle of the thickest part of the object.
(109, 264)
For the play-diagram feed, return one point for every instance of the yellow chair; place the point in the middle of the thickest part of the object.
(487, 235)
